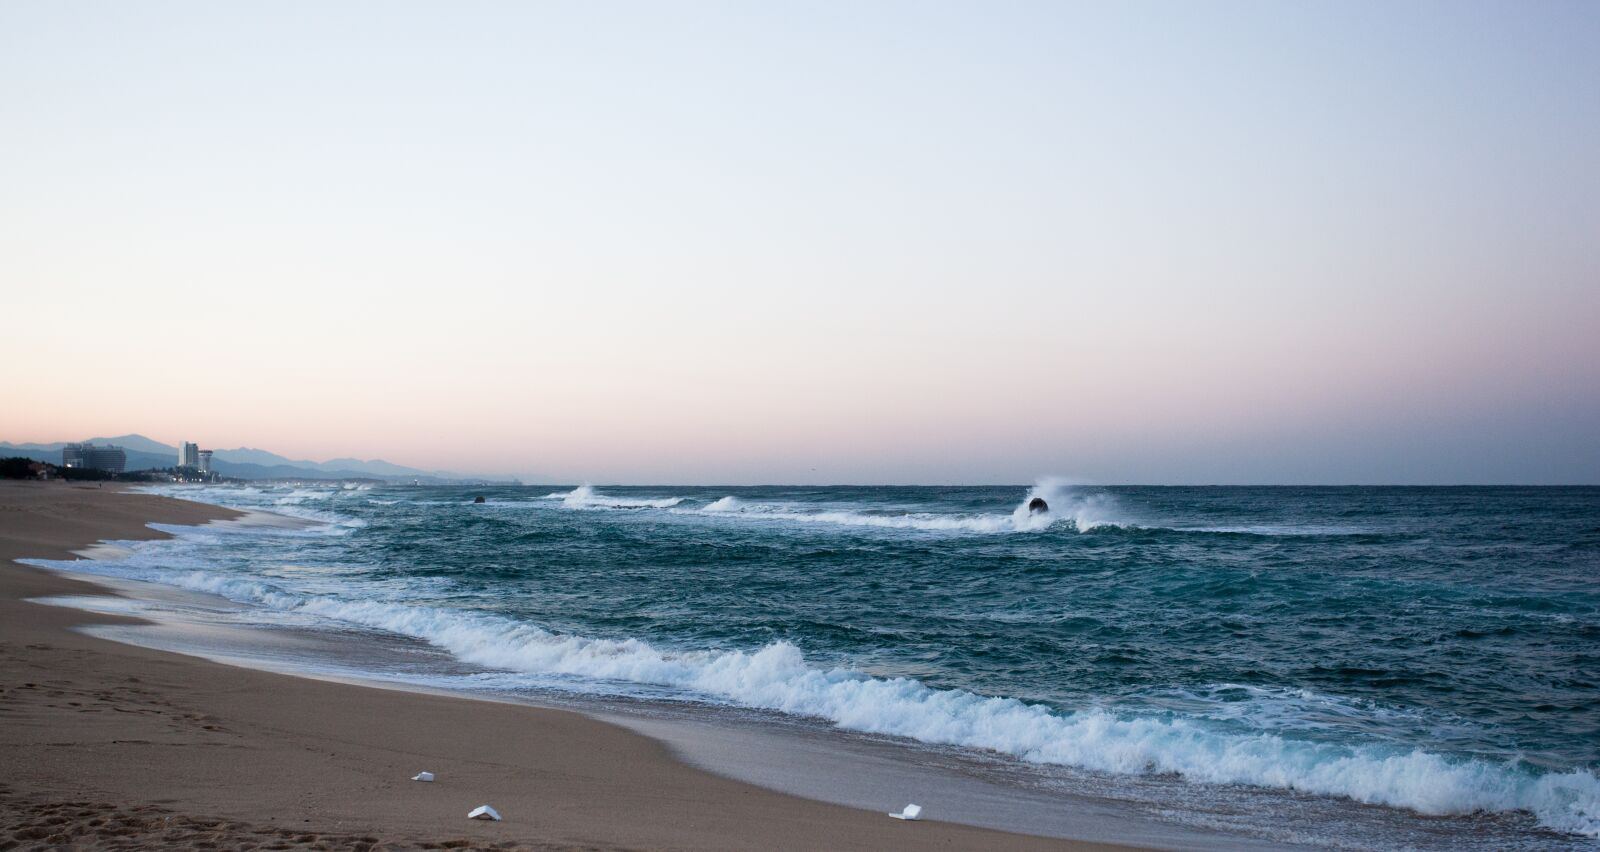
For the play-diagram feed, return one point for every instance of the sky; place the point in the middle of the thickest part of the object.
(881, 242)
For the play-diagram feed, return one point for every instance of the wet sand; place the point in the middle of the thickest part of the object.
(114, 746)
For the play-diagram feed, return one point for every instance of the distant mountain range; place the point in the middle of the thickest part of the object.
(249, 463)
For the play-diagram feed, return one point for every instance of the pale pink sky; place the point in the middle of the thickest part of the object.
(1307, 244)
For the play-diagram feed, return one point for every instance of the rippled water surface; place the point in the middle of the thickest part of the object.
(1432, 650)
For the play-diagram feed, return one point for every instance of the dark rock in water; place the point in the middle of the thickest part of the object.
(478, 499)
(1038, 504)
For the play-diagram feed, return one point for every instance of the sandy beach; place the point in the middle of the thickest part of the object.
(106, 745)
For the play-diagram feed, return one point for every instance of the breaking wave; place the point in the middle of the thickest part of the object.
(1083, 512)
(777, 677)
(585, 497)
(306, 504)
(726, 504)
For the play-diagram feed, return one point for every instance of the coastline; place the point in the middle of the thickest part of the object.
(113, 743)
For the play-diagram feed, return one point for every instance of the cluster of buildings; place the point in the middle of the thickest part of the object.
(190, 455)
(191, 459)
(89, 456)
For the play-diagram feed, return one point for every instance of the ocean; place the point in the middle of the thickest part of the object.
(1327, 667)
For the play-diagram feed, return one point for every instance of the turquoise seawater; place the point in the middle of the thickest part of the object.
(1434, 651)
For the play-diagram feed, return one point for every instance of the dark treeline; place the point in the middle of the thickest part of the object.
(20, 467)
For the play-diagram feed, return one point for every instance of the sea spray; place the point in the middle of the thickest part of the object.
(1068, 507)
(585, 497)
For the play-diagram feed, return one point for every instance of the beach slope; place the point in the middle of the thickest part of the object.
(111, 745)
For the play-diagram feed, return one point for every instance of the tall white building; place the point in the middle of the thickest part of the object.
(189, 455)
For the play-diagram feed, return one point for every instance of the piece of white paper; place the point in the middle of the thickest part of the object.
(911, 812)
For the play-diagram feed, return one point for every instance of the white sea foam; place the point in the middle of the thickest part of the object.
(1276, 530)
(1205, 743)
(726, 504)
(777, 677)
(979, 523)
(1067, 505)
(1087, 511)
(585, 497)
(291, 504)
(301, 495)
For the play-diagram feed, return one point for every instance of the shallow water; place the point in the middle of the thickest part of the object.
(1259, 660)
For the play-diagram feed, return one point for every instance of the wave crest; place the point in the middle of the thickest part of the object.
(777, 677)
(1083, 512)
(585, 497)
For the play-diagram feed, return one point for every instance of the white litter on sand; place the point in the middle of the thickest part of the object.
(422, 776)
(911, 812)
(484, 812)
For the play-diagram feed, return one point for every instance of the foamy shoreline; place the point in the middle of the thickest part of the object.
(261, 751)
(329, 579)
(764, 674)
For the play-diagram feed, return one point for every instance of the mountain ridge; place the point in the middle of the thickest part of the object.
(146, 453)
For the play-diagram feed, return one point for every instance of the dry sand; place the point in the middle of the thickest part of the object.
(105, 745)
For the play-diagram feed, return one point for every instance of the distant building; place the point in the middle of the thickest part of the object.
(89, 456)
(189, 455)
(205, 460)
